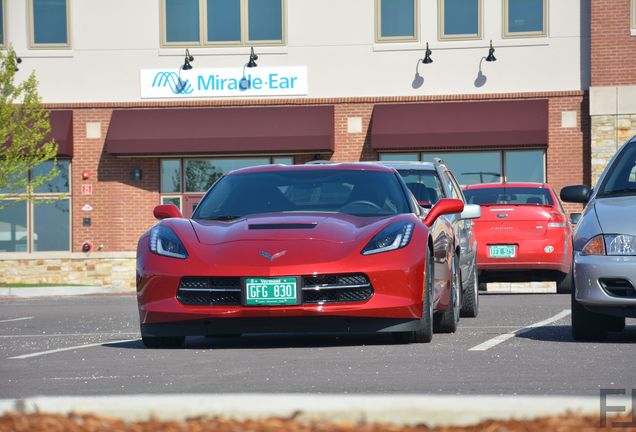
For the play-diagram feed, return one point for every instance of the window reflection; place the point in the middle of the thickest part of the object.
(200, 174)
(13, 226)
(471, 167)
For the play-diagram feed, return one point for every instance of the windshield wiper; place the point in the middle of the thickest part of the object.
(222, 218)
(624, 191)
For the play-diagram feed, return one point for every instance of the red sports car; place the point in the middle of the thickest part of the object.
(523, 234)
(312, 248)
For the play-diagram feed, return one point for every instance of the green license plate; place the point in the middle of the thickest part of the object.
(502, 251)
(271, 291)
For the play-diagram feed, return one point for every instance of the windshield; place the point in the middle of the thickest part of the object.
(360, 193)
(424, 185)
(509, 195)
(621, 177)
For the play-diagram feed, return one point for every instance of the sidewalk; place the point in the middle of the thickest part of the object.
(433, 410)
(61, 291)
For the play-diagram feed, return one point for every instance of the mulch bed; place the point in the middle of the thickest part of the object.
(92, 423)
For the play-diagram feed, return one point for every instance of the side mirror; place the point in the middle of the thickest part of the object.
(574, 218)
(576, 194)
(166, 211)
(443, 206)
(471, 211)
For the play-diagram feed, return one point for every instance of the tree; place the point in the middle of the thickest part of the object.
(24, 127)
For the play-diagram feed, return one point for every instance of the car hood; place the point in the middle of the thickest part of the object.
(616, 215)
(334, 228)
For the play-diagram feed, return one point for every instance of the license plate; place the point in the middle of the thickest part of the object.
(502, 251)
(271, 291)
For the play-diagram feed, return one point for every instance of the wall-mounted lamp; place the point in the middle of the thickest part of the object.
(427, 55)
(253, 58)
(491, 54)
(18, 60)
(188, 58)
(136, 174)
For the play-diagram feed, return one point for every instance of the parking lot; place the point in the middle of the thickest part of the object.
(519, 344)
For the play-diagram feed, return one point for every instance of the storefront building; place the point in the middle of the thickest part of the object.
(338, 81)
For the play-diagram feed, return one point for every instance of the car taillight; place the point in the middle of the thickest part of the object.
(556, 220)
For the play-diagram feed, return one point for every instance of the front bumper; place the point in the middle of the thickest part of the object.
(588, 273)
(397, 279)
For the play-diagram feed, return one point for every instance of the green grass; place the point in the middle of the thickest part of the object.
(34, 285)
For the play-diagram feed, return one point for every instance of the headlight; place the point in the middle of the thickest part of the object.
(620, 244)
(611, 244)
(395, 236)
(164, 241)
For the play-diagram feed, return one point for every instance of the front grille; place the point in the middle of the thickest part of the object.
(618, 287)
(337, 288)
(210, 291)
(226, 290)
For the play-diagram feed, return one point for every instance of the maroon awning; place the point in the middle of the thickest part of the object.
(460, 125)
(62, 132)
(288, 129)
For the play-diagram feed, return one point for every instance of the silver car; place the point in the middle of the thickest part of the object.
(605, 249)
(429, 182)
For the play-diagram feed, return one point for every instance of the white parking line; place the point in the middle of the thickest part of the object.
(45, 335)
(504, 337)
(16, 319)
(41, 353)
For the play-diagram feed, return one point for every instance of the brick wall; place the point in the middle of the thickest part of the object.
(613, 48)
(122, 207)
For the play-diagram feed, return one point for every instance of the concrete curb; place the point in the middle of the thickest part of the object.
(61, 291)
(396, 409)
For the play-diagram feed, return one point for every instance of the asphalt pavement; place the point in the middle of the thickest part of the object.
(520, 344)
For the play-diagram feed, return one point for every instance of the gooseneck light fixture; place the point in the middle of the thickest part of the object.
(491, 54)
(427, 55)
(253, 57)
(188, 58)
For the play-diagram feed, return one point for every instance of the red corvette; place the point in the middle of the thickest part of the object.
(313, 248)
(523, 234)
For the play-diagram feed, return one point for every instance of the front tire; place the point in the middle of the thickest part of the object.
(447, 321)
(470, 297)
(587, 326)
(163, 341)
(424, 333)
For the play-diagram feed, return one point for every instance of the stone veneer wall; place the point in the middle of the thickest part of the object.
(609, 132)
(116, 272)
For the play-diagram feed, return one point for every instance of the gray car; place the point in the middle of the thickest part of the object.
(605, 249)
(429, 182)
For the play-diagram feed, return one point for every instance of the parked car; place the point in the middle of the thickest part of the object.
(523, 234)
(310, 248)
(430, 182)
(605, 249)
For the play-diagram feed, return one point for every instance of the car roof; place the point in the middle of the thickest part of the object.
(428, 166)
(503, 185)
(349, 166)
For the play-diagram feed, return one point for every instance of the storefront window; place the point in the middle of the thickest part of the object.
(13, 226)
(42, 222)
(170, 175)
(51, 226)
(1, 23)
(224, 20)
(460, 19)
(484, 167)
(265, 20)
(525, 166)
(471, 167)
(200, 174)
(399, 157)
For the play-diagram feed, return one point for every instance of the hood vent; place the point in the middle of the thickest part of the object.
(275, 226)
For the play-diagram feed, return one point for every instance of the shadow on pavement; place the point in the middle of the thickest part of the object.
(563, 333)
(272, 341)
